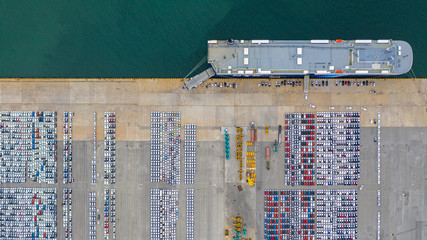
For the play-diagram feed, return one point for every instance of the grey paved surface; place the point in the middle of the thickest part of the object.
(403, 171)
(403, 183)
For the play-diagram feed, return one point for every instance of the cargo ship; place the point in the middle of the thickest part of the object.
(299, 58)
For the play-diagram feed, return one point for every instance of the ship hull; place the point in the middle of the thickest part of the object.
(316, 58)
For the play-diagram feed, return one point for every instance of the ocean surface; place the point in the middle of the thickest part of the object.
(167, 38)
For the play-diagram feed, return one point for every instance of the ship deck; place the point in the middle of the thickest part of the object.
(318, 57)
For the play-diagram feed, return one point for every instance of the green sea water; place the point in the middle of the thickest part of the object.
(165, 38)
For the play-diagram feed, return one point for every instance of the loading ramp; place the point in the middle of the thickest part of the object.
(199, 78)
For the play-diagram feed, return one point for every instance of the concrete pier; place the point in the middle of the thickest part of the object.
(402, 103)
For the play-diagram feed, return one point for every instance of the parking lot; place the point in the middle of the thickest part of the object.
(28, 213)
(28, 138)
(338, 148)
(216, 195)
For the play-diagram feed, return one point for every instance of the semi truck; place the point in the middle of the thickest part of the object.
(253, 132)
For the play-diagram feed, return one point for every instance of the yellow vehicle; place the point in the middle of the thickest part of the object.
(250, 181)
(237, 224)
(266, 129)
